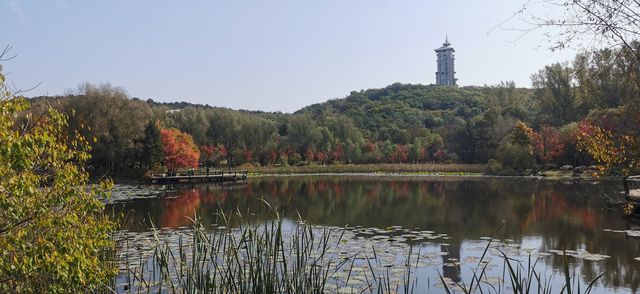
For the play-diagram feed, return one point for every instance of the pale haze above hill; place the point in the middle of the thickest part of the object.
(261, 55)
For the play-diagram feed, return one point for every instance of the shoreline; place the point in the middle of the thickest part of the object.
(371, 168)
(396, 170)
(444, 175)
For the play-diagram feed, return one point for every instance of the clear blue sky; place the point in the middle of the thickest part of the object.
(260, 55)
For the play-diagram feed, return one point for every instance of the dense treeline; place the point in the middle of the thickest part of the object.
(512, 128)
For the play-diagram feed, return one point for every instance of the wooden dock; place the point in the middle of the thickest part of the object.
(632, 188)
(212, 176)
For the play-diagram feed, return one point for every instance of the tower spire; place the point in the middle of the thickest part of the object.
(446, 40)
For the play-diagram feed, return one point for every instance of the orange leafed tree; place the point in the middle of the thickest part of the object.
(180, 151)
(548, 144)
(612, 150)
(208, 152)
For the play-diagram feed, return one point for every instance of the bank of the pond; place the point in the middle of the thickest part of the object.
(394, 168)
(389, 169)
(431, 169)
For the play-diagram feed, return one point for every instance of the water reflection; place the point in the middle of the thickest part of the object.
(544, 215)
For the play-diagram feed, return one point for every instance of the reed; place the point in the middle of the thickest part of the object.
(524, 278)
(279, 257)
(251, 258)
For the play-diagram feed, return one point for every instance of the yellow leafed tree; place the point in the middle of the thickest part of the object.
(613, 150)
(54, 236)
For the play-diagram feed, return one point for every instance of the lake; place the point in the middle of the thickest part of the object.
(446, 223)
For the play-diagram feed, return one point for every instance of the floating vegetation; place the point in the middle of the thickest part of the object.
(628, 233)
(631, 233)
(277, 256)
(123, 192)
(287, 256)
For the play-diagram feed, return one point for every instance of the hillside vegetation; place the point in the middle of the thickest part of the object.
(513, 129)
(433, 117)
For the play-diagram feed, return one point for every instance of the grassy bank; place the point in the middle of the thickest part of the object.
(140, 176)
(418, 168)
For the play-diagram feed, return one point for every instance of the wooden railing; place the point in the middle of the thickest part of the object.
(200, 176)
(212, 172)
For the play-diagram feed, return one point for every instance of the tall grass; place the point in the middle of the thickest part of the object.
(262, 258)
(271, 257)
(524, 278)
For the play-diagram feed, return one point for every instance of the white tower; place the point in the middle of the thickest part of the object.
(446, 72)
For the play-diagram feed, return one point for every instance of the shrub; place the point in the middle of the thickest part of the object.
(515, 156)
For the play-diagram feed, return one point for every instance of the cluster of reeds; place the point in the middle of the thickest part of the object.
(524, 277)
(274, 257)
(262, 258)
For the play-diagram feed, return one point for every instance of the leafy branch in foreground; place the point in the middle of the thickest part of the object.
(54, 237)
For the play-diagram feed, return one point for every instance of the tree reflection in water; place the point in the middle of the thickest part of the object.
(553, 214)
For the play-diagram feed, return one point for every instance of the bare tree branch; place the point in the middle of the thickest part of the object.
(581, 23)
(4, 52)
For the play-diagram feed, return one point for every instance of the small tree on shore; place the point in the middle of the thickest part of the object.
(516, 149)
(180, 151)
(613, 150)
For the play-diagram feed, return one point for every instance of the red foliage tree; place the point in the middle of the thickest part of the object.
(321, 157)
(222, 150)
(310, 155)
(247, 154)
(337, 152)
(400, 154)
(208, 152)
(548, 144)
(179, 149)
(440, 155)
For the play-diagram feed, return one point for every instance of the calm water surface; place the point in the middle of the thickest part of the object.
(536, 215)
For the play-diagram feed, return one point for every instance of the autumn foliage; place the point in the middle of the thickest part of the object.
(548, 144)
(208, 152)
(613, 150)
(179, 149)
(522, 135)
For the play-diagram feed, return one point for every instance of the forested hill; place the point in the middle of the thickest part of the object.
(519, 128)
(391, 113)
(398, 123)
(402, 106)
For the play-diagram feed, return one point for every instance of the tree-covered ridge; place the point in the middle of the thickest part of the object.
(402, 114)
(381, 112)
(398, 123)
(235, 137)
